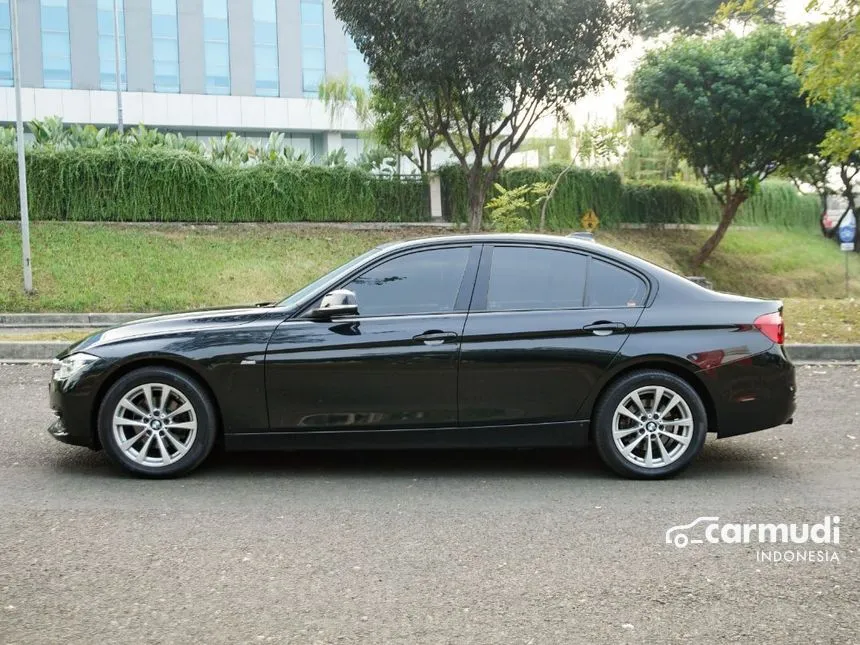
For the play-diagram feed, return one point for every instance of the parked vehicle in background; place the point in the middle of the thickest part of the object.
(457, 341)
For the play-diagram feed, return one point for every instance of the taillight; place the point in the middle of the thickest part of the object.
(771, 325)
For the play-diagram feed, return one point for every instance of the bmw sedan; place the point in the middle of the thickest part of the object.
(460, 341)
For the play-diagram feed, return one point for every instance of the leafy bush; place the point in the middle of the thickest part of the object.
(132, 183)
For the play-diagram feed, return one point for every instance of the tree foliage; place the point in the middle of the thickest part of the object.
(732, 107)
(697, 17)
(828, 60)
(483, 73)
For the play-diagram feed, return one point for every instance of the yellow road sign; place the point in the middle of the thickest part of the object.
(590, 220)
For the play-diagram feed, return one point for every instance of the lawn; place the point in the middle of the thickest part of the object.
(85, 267)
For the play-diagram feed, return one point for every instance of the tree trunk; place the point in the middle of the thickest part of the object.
(477, 196)
(730, 209)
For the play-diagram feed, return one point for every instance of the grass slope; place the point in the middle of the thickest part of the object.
(81, 267)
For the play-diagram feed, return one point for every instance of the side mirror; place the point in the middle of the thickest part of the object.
(340, 302)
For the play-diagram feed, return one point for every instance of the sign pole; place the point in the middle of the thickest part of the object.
(22, 163)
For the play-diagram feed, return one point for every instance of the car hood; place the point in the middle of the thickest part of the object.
(175, 323)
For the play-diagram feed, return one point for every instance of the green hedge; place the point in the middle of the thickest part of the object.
(776, 204)
(127, 183)
(654, 203)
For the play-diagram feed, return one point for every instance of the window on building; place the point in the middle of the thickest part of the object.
(216, 46)
(355, 65)
(313, 47)
(6, 77)
(165, 46)
(107, 50)
(266, 48)
(56, 49)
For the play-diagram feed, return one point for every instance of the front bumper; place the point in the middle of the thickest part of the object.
(752, 394)
(73, 405)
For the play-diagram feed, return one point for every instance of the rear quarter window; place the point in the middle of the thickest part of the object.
(610, 286)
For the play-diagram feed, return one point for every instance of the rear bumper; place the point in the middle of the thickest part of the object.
(753, 393)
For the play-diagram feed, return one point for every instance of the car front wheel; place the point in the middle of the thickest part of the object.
(650, 424)
(157, 422)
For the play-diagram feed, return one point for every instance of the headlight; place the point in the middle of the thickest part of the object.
(71, 366)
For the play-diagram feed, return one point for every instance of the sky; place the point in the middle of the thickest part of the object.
(602, 107)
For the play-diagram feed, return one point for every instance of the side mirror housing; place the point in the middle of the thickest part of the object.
(340, 302)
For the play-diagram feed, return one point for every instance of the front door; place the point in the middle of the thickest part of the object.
(394, 365)
(545, 324)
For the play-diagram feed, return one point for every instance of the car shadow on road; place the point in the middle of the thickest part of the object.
(581, 463)
(718, 459)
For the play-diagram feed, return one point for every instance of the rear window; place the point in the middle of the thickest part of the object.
(612, 286)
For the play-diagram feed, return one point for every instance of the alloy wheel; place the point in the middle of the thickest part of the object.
(652, 427)
(154, 425)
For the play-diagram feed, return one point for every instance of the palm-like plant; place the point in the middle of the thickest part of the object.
(49, 133)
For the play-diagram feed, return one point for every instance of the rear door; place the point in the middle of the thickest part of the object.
(545, 323)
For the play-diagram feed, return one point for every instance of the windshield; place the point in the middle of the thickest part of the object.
(331, 276)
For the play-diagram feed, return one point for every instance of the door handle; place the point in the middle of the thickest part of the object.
(435, 337)
(604, 327)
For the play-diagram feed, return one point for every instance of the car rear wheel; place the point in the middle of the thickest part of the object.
(157, 422)
(650, 424)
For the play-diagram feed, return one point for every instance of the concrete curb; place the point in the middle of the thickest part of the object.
(32, 350)
(46, 350)
(823, 352)
(67, 320)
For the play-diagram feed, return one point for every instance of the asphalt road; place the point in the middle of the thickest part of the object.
(501, 547)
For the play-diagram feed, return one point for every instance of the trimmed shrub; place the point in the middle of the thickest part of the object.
(651, 203)
(126, 183)
(135, 184)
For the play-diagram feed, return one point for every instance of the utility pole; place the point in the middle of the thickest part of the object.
(119, 125)
(22, 163)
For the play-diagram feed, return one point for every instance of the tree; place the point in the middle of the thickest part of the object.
(732, 107)
(400, 126)
(828, 59)
(483, 73)
(697, 17)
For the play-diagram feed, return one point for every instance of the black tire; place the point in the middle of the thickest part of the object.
(203, 409)
(610, 400)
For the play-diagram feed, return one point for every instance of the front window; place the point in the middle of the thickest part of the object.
(331, 276)
(425, 282)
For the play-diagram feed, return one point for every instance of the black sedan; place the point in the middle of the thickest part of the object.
(460, 341)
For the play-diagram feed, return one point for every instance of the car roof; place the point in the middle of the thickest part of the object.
(578, 243)
(666, 278)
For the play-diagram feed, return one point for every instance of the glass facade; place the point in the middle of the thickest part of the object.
(6, 76)
(355, 65)
(216, 46)
(265, 48)
(56, 47)
(107, 51)
(165, 46)
(313, 47)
